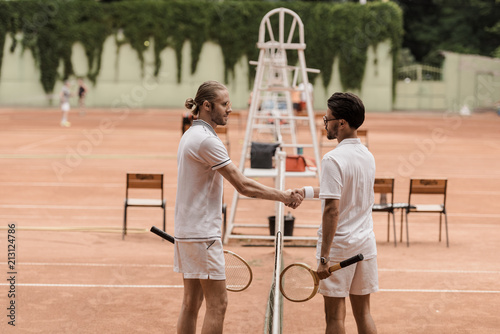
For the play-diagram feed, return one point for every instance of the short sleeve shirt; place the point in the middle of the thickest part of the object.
(198, 204)
(348, 174)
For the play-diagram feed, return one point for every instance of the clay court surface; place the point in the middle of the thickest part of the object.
(64, 188)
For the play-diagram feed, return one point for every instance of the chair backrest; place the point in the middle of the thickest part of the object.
(428, 187)
(221, 129)
(384, 186)
(144, 181)
(363, 136)
(286, 35)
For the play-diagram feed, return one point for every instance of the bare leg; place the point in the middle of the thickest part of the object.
(335, 315)
(193, 298)
(64, 120)
(361, 310)
(81, 103)
(216, 297)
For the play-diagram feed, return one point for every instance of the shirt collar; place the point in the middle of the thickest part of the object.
(348, 141)
(205, 124)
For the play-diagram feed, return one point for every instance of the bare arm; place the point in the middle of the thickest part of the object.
(329, 227)
(254, 189)
(330, 220)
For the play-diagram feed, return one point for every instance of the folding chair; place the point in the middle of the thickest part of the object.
(428, 187)
(144, 181)
(384, 186)
(363, 136)
(187, 121)
(236, 113)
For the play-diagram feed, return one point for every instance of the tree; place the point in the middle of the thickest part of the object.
(463, 26)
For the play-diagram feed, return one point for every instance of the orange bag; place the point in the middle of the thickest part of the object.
(300, 163)
(295, 163)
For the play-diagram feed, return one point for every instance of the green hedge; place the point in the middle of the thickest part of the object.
(343, 31)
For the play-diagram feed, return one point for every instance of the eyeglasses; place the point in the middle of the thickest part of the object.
(227, 105)
(326, 120)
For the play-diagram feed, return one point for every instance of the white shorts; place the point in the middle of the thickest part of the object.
(65, 106)
(360, 278)
(200, 260)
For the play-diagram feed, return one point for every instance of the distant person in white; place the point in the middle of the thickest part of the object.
(202, 163)
(65, 107)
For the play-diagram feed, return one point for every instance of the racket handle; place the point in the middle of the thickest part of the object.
(351, 260)
(162, 234)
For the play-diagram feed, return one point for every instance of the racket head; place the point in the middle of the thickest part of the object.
(298, 282)
(238, 272)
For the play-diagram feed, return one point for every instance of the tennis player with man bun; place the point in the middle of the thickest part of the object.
(346, 191)
(202, 163)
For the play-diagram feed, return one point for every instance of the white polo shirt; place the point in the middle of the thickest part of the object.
(348, 174)
(198, 204)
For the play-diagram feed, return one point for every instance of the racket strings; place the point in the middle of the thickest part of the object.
(238, 274)
(297, 283)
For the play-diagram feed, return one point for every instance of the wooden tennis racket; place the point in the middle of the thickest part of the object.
(238, 272)
(299, 283)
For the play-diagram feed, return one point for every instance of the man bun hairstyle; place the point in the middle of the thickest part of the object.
(190, 104)
(208, 91)
(349, 107)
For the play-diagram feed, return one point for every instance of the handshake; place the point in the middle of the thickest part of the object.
(293, 198)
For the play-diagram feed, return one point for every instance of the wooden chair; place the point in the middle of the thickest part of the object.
(385, 186)
(144, 181)
(363, 136)
(428, 187)
(236, 114)
(187, 121)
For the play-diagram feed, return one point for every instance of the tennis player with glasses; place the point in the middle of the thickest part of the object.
(346, 191)
(202, 163)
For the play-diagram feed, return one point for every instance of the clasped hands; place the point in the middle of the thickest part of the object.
(293, 198)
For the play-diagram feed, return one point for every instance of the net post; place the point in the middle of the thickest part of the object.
(274, 313)
(278, 265)
(280, 185)
(278, 299)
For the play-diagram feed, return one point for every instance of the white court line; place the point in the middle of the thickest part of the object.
(54, 217)
(438, 291)
(66, 207)
(91, 264)
(72, 184)
(97, 286)
(41, 143)
(474, 215)
(97, 207)
(486, 272)
(62, 184)
(440, 271)
(181, 286)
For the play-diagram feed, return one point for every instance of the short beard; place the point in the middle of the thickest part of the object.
(219, 120)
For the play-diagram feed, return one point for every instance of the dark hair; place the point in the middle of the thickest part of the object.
(349, 107)
(206, 92)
